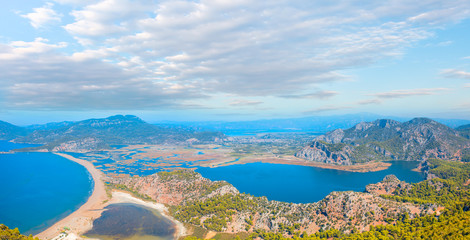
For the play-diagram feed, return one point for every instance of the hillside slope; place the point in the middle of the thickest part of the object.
(385, 139)
(9, 131)
(114, 130)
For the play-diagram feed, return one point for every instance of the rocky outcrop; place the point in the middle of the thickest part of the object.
(173, 188)
(387, 186)
(321, 153)
(417, 139)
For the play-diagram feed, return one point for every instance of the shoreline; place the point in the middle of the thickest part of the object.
(125, 197)
(80, 220)
(363, 167)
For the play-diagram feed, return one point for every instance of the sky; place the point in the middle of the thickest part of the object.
(233, 60)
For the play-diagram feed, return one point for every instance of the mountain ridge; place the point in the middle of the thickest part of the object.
(9, 131)
(386, 139)
(101, 133)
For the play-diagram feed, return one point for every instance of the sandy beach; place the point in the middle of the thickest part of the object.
(81, 220)
(291, 160)
(122, 197)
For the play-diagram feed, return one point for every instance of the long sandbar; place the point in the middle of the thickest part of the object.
(291, 160)
(81, 220)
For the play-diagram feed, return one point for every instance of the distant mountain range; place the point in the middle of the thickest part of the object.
(386, 139)
(319, 124)
(103, 133)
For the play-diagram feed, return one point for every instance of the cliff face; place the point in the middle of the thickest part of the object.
(418, 139)
(322, 153)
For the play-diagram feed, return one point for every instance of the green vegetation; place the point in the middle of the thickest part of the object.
(280, 144)
(447, 189)
(390, 140)
(178, 175)
(190, 176)
(13, 234)
(114, 130)
(219, 208)
(134, 192)
(334, 147)
(452, 224)
(466, 155)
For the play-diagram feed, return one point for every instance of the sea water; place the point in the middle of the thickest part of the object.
(303, 184)
(39, 189)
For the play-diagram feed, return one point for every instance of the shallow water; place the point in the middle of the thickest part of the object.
(127, 221)
(302, 184)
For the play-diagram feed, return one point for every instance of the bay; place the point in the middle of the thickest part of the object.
(39, 189)
(303, 184)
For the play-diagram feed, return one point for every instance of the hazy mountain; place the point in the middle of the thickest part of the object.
(119, 129)
(304, 124)
(386, 139)
(9, 131)
(464, 130)
(49, 126)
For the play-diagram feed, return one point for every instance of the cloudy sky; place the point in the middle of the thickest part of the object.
(233, 60)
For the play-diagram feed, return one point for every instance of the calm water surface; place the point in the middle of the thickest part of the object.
(302, 184)
(127, 221)
(38, 189)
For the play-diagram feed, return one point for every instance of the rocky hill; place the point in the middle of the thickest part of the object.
(218, 206)
(9, 131)
(384, 139)
(173, 188)
(464, 130)
(49, 126)
(115, 130)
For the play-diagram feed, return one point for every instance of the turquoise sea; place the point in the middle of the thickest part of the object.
(38, 189)
(302, 184)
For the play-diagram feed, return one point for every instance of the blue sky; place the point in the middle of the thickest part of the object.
(233, 60)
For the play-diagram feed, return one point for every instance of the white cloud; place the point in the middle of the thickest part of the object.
(317, 94)
(326, 109)
(408, 93)
(259, 48)
(81, 82)
(76, 2)
(40, 17)
(170, 51)
(455, 73)
(369, 101)
(106, 17)
(244, 102)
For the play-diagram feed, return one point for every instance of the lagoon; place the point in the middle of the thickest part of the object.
(128, 221)
(303, 184)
